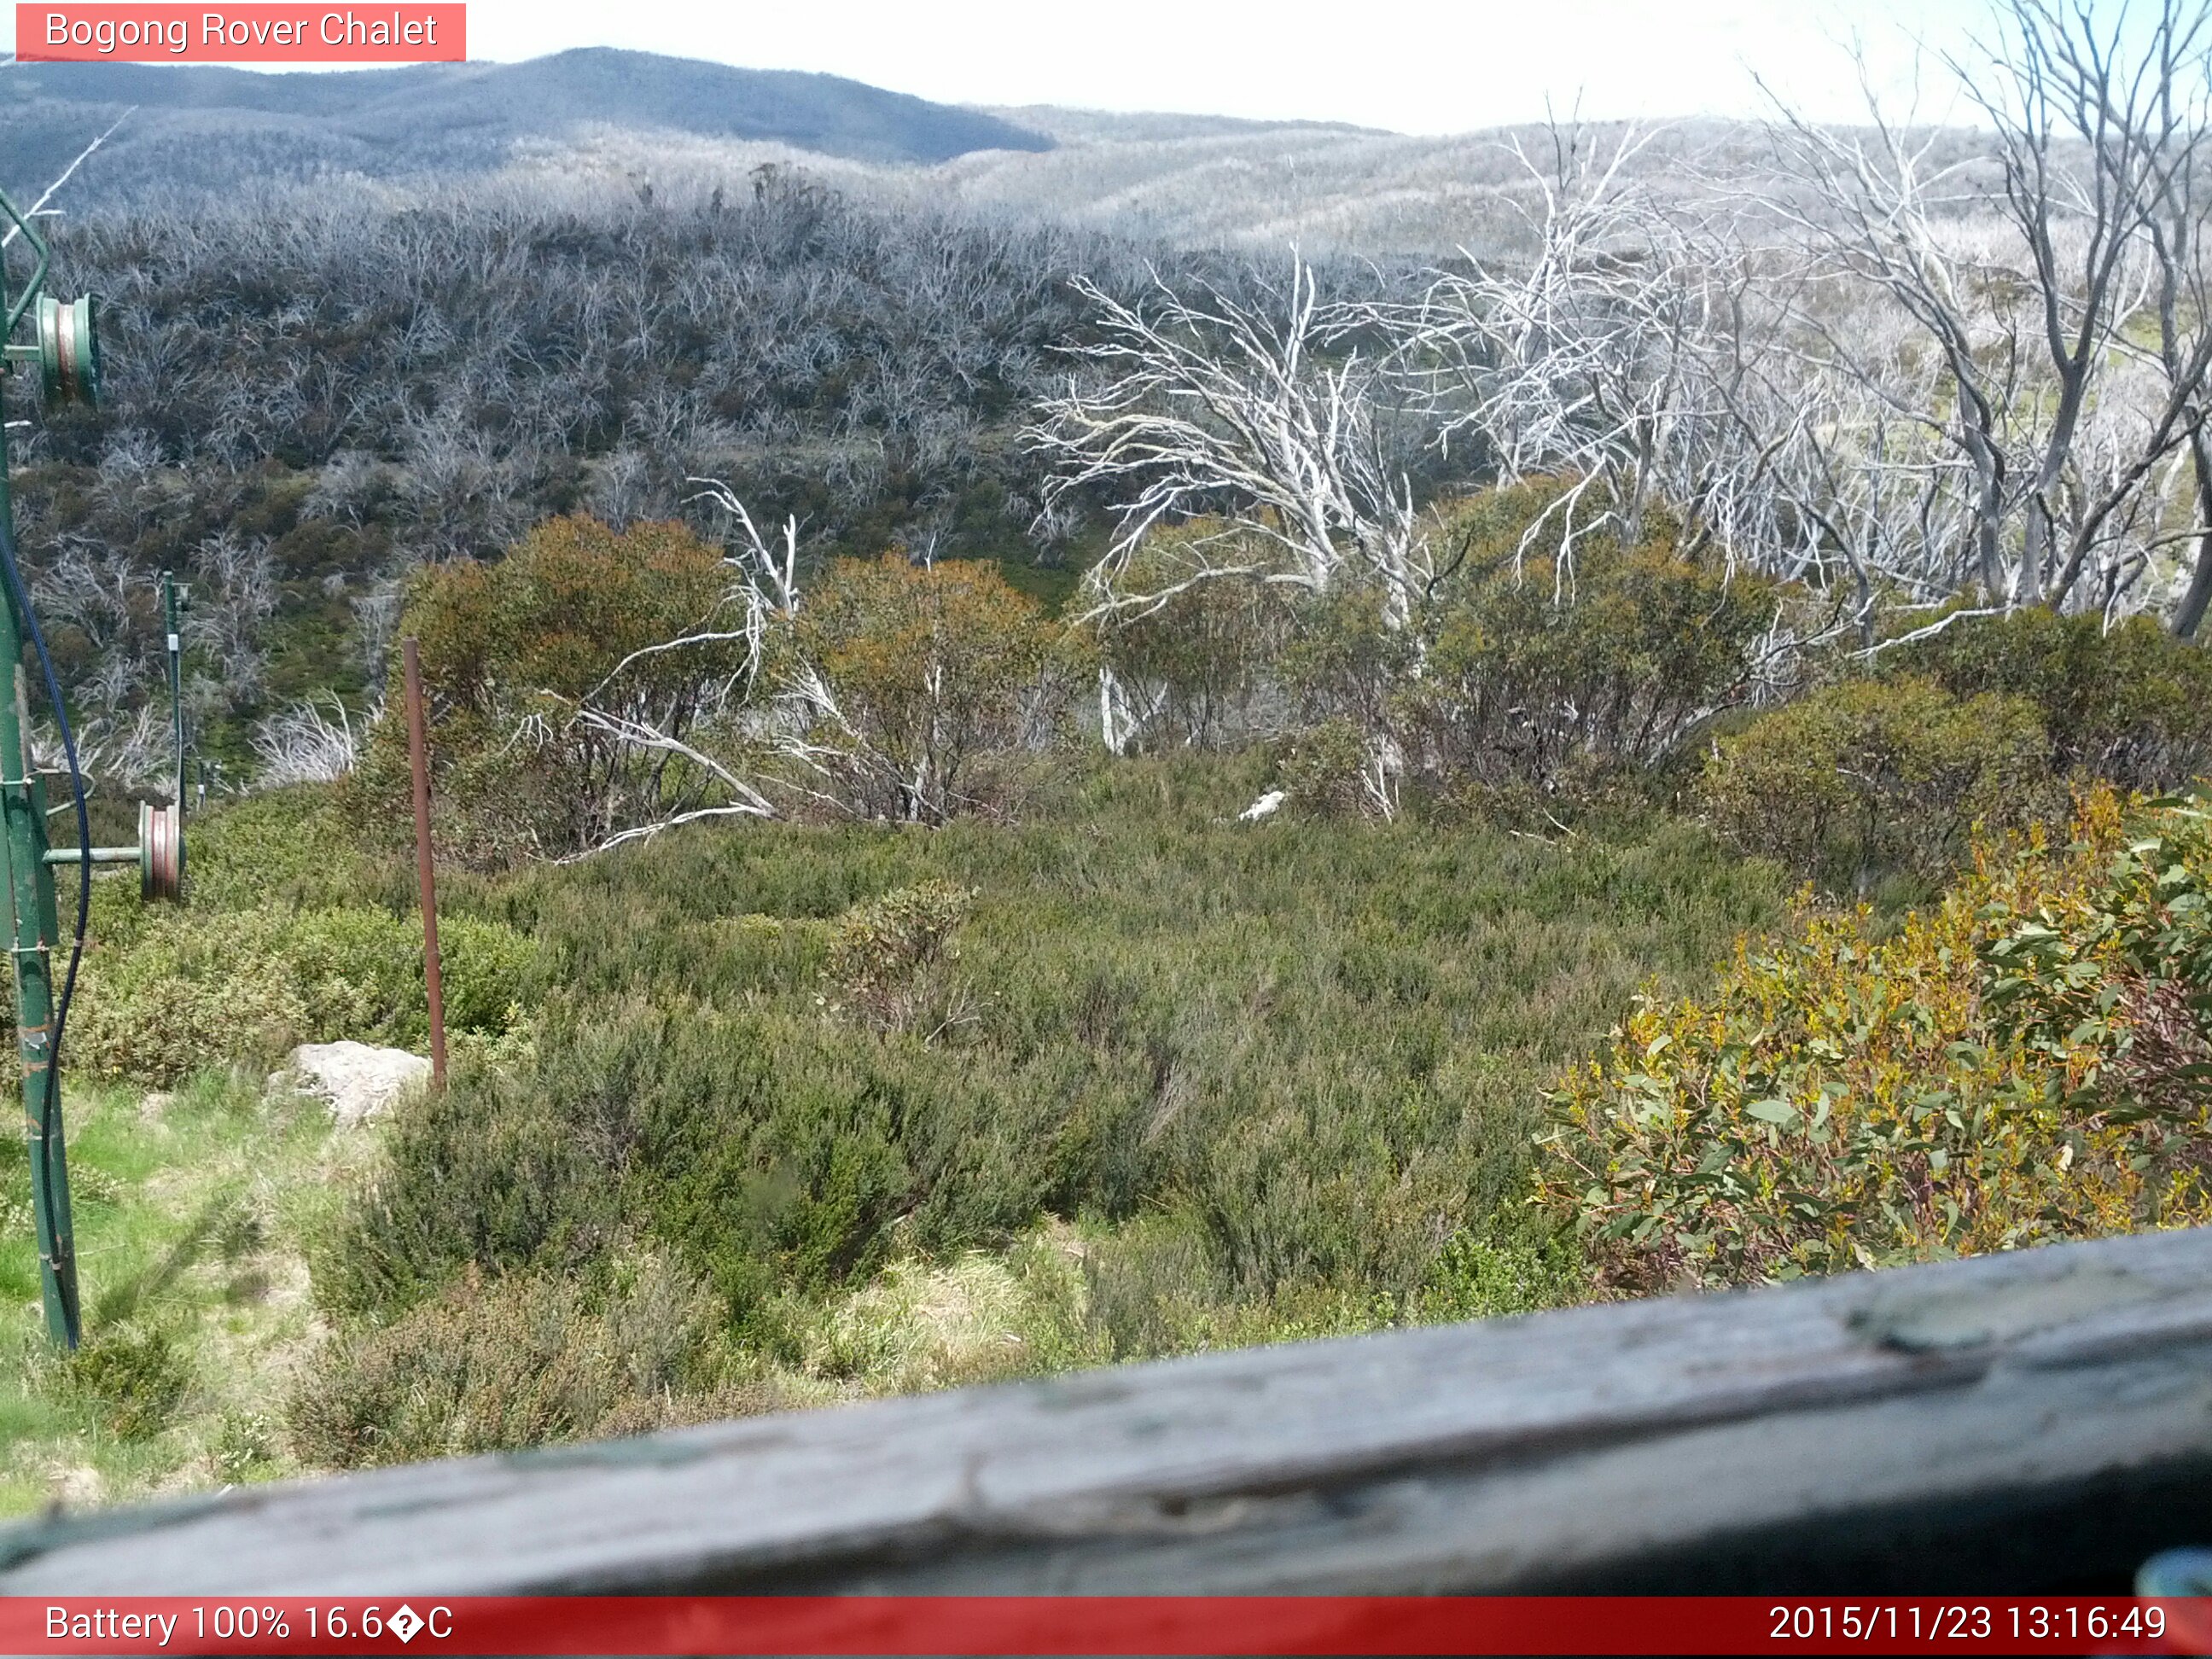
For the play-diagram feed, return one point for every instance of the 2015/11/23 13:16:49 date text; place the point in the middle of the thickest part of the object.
(1968, 1621)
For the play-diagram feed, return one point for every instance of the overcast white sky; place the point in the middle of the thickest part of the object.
(1424, 66)
(1411, 65)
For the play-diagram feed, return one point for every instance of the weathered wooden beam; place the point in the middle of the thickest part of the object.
(2035, 1421)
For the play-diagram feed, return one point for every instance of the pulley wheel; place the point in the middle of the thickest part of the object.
(69, 351)
(160, 852)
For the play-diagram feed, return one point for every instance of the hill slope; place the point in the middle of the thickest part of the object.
(198, 125)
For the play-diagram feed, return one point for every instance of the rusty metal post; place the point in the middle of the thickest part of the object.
(418, 759)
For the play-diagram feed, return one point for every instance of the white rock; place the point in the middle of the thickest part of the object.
(1271, 802)
(360, 1081)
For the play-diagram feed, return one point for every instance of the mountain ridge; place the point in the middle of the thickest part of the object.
(195, 123)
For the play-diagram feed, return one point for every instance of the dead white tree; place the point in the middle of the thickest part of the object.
(1263, 414)
(1573, 358)
(2032, 275)
(675, 733)
(311, 741)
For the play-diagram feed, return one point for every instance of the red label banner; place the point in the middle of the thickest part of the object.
(1102, 1625)
(261, 34)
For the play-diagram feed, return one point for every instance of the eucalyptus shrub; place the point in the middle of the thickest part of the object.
(2021, 1063)
(512, 649)
(1548, 660)
(1199, 669)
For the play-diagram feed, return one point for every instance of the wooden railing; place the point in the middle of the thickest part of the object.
(2034, 1422)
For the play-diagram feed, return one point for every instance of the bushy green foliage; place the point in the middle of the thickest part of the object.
(929, 669)
(1345, 666)
(1478, 1276)
(136, 1375)
(2115, 984)
(511, 647)
(194, 988)
(1197, 669)
(499, 1364)
(1871, 775)
(1329, 768)
(1547, 657)
(2020, 1063)
(977, 1318)
(275, 946)
(2129, 703)
(1303, 1056)
(292, 847)
(887, 956)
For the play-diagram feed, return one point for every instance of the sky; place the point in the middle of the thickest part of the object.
(1422, 66)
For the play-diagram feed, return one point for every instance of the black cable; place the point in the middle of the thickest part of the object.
(49, 1108)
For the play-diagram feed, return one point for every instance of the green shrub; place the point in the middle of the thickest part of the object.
(293, 847)
(889, 957)
(1545, 665)
(1327, 768)
(1870, 775)
(501, 1172)
(977, 1318)
(1151, 1285)
(2129, 703)
(2021, 1063)
(2116, 985)
(1344, 666)
(771, 1151)
(188, 988)
(498, 1364)
(930, 669)
(1197, 669)
(511, 647)
(135, 1374)
(1317, 1051)
(1477, 1277)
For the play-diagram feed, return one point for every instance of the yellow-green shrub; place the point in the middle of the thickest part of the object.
(930, 668)
(512, 647)
(189, 988)
(1871, 775)
(1840, 1100)
(2127, 702)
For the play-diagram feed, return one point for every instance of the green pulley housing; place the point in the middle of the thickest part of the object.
(69, 351)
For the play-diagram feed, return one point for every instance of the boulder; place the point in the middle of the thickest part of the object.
(360, 1081)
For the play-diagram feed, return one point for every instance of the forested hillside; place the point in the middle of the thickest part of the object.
(306, 398)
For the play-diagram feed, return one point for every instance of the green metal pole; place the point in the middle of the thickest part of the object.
(32, 913)
(176, 680)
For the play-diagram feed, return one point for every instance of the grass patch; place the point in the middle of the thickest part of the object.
(192, 1209)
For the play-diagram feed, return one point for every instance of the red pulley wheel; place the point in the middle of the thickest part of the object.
(160, 852)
